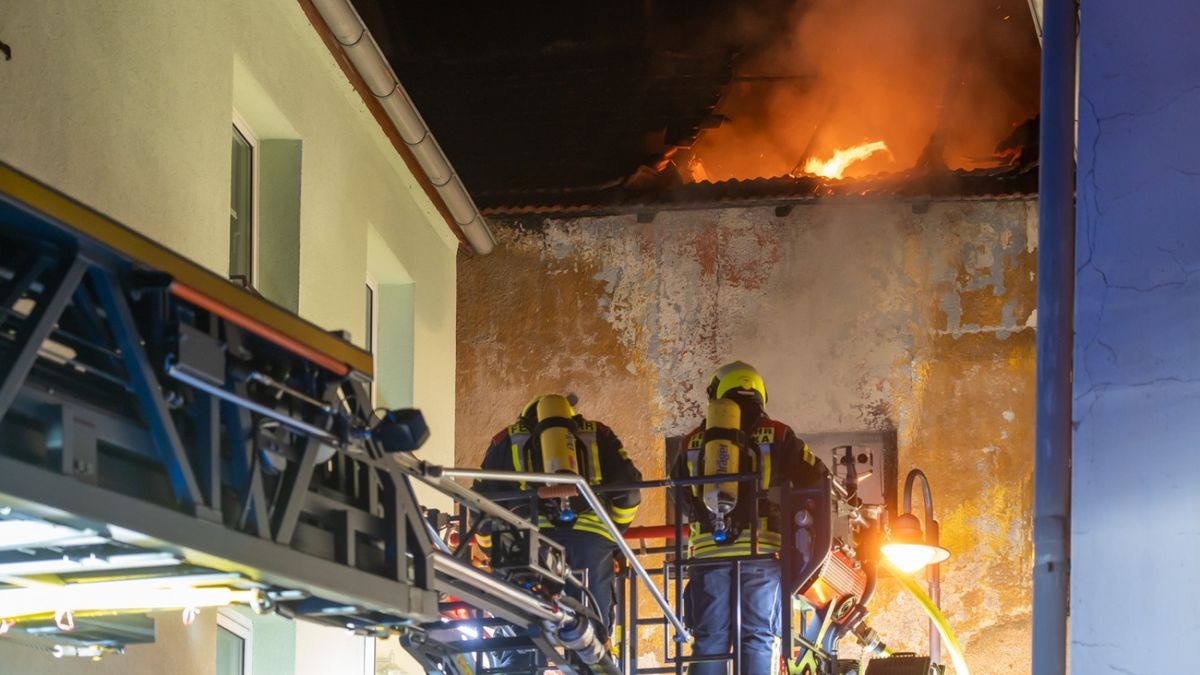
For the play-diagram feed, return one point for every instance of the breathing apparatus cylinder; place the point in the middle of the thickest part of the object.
(721, 457)
(558, 446)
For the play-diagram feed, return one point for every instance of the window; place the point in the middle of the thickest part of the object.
(243, 204)
(372, 314)
(233, 643)
(391, 310)
(372, 327)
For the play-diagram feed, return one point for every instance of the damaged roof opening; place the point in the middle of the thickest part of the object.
(600, 107)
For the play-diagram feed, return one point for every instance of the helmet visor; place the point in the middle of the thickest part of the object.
(742, 378)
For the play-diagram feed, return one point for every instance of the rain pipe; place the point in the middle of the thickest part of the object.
(1055, 340)
(351, 33)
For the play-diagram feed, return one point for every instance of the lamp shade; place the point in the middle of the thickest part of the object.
(907, 550)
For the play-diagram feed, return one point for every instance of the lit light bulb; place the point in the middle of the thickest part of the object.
(909, 558)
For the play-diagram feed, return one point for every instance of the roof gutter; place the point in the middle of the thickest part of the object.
(1035, 8)
(387, 95)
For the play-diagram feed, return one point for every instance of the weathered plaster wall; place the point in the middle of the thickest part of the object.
(861, 316)
(1137, 363)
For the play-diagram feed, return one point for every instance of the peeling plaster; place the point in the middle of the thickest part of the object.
(861, 316)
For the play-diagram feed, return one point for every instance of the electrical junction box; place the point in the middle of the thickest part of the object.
(874, 456)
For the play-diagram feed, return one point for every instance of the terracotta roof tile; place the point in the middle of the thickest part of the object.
(916, 186)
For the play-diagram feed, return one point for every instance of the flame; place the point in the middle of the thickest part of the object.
(941, 82)
(842, 158)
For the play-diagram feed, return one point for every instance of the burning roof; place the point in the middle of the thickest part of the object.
(851, 88)
(629, 104)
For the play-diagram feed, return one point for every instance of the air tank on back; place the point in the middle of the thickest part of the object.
(721, 457)
(558, 445)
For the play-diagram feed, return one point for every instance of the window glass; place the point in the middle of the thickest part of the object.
(241, 210)
(370, 332)
(231, 653)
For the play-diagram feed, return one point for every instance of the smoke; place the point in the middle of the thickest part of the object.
(936, 80)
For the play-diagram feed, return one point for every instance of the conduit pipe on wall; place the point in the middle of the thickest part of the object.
(1055, 340)
(364, 53)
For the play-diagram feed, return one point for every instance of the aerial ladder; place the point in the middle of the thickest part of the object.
(169, 440)
(165, 431)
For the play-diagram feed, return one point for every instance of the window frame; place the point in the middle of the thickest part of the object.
(370, 647)
(240, 626)
(373, 331)
(241, 126)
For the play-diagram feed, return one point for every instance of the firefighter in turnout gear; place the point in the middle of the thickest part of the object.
(737, 436)
(549, 437)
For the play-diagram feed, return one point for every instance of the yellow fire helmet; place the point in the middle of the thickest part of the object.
(737, 375)
(530, 410)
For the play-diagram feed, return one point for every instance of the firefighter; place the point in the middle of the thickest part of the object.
(720, 521)
(593, 451)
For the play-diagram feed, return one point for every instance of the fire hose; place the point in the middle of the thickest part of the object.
(935, 614)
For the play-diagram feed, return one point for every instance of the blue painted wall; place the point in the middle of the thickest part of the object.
(1135, 582)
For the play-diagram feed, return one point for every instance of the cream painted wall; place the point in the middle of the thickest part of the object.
(126, 105)
(126, 108)
(321, 650)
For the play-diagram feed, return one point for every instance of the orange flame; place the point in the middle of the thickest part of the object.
(842, 158)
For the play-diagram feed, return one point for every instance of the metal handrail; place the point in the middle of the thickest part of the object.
(585, 490)
(519, 598)
(513, 495)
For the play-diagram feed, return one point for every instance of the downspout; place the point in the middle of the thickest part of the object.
(1055, 340)
(356, 41)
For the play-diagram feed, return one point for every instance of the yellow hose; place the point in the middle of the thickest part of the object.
(939, 620)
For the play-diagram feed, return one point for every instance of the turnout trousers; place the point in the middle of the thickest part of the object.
(709, 608)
